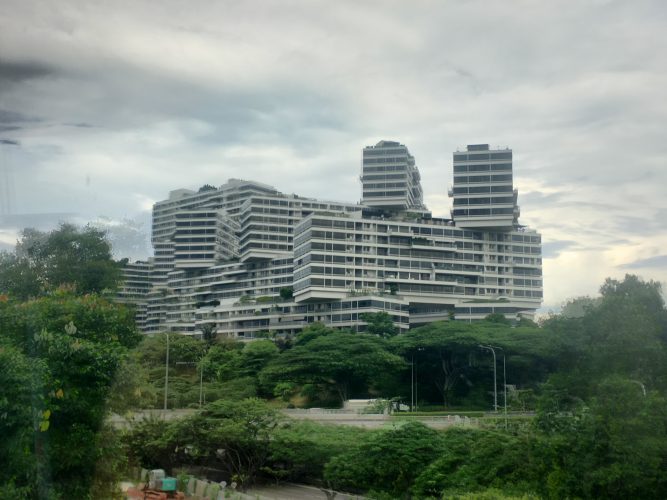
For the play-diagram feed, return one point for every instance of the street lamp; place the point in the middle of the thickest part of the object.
(201, 375)
(504, 385)
(413, 383)
(166, 374)
(495, 385)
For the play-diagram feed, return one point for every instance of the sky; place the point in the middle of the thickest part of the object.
(107, 106)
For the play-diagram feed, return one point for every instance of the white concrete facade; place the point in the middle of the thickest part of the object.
(223, 256)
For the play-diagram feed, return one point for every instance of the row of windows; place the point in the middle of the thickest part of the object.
(196, 215)
(463, 179)
(482, 211)
(381, 177)
(527, 293)
(522, 249)
(526, 238)
(484, 201)
(394, 159)
(384, 194)
(196, 257)
(195, 223)
(385, 151)
(482, 156)
(385, 168)
(385, 185)
(522, 282)
(382, 228)
(482, 168)
(266, 237)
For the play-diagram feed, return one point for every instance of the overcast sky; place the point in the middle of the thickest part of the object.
(107, 106)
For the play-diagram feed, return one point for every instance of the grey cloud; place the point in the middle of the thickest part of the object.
(9, 142)
(659, 261)
(552, 249)
(7, 116)
(639, 225)
(79, 125)
(13, 72)
(540, 198)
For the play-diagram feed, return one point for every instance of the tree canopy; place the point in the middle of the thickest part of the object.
(67, 256)
(335, 358)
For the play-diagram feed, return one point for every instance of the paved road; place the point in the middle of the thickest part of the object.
(296, 492)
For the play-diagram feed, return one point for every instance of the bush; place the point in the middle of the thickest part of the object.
(387, 461)
(473, 460)
(299, 450)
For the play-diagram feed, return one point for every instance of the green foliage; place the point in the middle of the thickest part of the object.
(208, 334)
(473, 460)
(449, 352)
(231, 435)
(312, 331)
(498, 318)
(286, 293)
(380, 324)
(132, 388)
(612, 447)
(62, 353)
(299, 450)
(387, 461)
(79, 258)
(341, 360)
(256, 355)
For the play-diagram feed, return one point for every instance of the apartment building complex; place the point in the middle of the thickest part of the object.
(248, 261)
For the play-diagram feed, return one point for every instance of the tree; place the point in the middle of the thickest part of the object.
(299, 449)
(449, 352)
(208, 334)
(387, 461)
(380, 324)
(18, 277)
(234, 436)
(79, 258)
(612, 446)
(498, 318)
(341, 360)
(474, 460)
(623, 333)
(286, 293)
(206, 187)
(62, 353)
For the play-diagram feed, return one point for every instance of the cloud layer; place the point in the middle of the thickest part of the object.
(106, 106)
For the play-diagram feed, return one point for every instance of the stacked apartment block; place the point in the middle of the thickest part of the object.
(248, 261)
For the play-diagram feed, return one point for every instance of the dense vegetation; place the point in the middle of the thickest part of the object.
(61, 344)
(595, 377)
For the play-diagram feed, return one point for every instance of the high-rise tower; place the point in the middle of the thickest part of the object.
(390, 179)
(483, 192)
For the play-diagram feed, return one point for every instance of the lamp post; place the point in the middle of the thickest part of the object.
(412, 383)
(504, 385)
(415, 375)
(166, 374)
(495, 385)
(201, 376)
